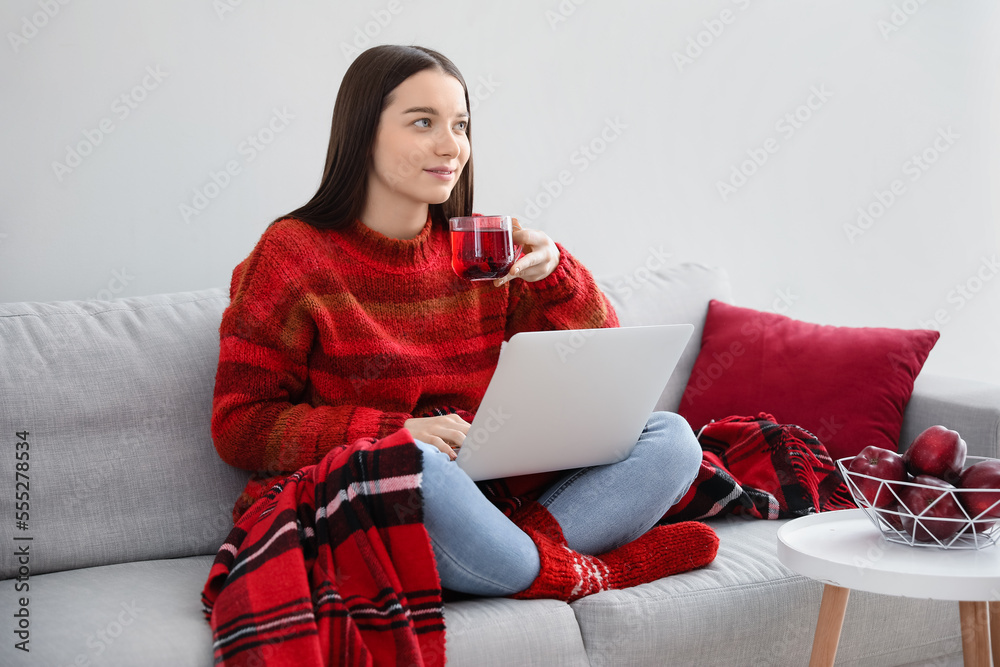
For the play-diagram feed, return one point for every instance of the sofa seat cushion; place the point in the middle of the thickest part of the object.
(143, 613)
(746, 608)
(499, 631)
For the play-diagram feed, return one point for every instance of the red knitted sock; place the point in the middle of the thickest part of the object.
(568, 575)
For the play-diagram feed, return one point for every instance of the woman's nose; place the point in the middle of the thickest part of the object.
(447, 144)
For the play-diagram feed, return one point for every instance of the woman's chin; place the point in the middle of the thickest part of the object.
(439, 199)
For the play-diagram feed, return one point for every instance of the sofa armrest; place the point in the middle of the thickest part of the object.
(968, 406)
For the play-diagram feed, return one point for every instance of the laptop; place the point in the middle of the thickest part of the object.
(570, 398)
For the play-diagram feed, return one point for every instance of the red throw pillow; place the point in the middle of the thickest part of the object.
(848, 386)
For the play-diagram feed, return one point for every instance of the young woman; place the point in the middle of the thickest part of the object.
(347, 322)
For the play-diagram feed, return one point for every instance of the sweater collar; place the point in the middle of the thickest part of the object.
(391, 253)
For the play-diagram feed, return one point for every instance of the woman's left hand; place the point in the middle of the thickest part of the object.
(540, 258)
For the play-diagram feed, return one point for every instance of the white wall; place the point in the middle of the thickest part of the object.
(112, 225)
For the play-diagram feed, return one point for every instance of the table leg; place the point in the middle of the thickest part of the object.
(994, 609)
(975, 634)
(828, 625)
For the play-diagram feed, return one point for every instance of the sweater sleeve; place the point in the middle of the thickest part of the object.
(568, 298)
(260, 419)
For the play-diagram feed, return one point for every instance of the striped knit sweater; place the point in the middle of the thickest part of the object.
(332, 336)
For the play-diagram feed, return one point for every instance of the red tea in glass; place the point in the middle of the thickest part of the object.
(482, 246)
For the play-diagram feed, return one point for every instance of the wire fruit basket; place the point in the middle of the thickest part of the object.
(899, 524)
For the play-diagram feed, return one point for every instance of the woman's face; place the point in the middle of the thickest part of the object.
(421, 146)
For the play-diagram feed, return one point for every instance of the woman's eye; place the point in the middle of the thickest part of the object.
(423, 120)
(462, 124)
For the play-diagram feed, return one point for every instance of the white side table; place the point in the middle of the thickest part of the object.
(844, 550)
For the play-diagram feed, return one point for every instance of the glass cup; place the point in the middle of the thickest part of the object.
(482, 246)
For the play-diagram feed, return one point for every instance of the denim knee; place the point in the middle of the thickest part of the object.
(477, 550)
(681, 450)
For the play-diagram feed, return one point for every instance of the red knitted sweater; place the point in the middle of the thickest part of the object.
(332, 336)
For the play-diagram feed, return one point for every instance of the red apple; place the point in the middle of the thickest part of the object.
(982, 475)
(883, 464)
(919, 499)
(982, 526)
(939, 452)
(894, 520)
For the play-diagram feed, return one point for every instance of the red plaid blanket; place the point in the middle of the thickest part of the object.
(332, 567)
(757, 467)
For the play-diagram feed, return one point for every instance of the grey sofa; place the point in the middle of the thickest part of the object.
(128, 501)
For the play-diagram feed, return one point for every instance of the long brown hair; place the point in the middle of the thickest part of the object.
(363, 95)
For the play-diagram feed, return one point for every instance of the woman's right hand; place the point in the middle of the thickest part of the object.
(446, 432)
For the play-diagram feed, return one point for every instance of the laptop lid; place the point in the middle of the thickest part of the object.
(570, 398)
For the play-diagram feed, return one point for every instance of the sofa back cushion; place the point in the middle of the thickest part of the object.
(668, 294)
(114, 400)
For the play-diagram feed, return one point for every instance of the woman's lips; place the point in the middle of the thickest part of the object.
(443, 175)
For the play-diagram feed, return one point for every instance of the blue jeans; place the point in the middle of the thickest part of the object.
(481, 552)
